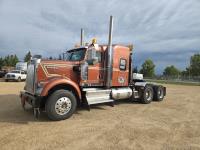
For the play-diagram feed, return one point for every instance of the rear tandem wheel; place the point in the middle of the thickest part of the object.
(147, 94)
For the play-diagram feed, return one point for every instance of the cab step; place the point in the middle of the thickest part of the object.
(99, 100)
(97, 96)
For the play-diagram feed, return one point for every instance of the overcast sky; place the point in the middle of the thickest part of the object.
(167, 31)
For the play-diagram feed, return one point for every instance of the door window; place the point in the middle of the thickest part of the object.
(98, 55)
(122, 64)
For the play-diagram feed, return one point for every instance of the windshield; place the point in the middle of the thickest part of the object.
(75, 55)
(15, 71)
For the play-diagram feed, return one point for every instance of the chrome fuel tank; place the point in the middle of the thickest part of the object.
(121, 93)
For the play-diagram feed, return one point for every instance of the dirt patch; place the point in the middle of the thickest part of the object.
(171, 124)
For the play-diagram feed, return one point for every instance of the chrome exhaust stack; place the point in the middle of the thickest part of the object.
(109, 55)
(82, 37)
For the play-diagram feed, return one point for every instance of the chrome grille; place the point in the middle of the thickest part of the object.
(30, 79)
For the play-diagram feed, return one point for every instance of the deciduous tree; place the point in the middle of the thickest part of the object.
(148, 68)
(171, 71)
(195, 65)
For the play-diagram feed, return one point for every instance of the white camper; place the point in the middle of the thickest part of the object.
(21, 66)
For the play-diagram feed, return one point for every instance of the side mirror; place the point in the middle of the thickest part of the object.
(92, 59)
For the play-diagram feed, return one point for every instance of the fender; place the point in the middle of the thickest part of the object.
(143, 84)
(57, 81)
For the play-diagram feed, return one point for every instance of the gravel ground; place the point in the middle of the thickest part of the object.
(171, 124)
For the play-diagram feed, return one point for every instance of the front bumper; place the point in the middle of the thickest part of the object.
(11, 78)
(31, 99)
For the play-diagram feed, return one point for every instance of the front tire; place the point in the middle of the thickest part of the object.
(61, 105)
(147, 95)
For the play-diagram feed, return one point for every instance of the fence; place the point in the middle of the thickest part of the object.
(190, 80)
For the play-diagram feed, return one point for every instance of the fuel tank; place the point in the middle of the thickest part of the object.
(121, 93)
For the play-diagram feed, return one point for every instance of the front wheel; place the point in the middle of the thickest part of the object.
(60, 105)
(147, 95)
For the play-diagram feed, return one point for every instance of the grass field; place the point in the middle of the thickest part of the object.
(171, 124)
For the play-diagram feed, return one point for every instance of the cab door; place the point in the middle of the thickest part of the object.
(95, 71)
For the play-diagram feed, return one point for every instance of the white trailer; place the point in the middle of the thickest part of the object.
(21, 66)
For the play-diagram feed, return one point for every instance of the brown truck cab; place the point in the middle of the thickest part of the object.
(87, 75)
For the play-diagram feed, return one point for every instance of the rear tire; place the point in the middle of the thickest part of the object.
(60, 105)
(158, 93)
(147, 95)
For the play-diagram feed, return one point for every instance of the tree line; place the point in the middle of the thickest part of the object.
(12, 60)
(148, 68)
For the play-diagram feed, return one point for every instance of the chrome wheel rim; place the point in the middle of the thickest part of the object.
(148, 95)
(160, 93)
(63, 105)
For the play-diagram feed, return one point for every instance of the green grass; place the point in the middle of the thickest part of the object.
(173, 82)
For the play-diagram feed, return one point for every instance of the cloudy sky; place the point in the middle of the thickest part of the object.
(167, 31)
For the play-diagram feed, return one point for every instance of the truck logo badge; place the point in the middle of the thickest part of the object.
(121, 80)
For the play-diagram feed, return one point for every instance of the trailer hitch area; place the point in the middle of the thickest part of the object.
(36, 112)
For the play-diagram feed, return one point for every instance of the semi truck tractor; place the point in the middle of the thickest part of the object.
(93, 74)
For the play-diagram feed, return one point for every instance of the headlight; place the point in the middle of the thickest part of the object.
(41, 84)
(39, 88)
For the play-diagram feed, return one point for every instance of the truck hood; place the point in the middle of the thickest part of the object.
(59, 62)
(56, 68)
